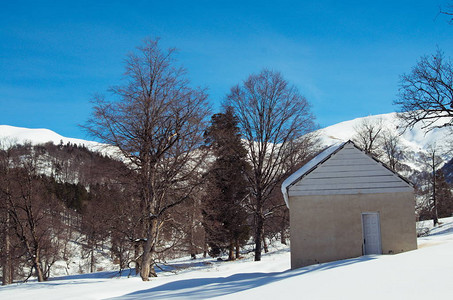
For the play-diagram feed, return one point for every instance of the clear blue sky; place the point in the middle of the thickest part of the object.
(344, 56)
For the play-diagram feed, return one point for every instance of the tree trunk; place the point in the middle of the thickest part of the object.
(258, 233)
(92, 260)
(283, 228)
(435, 216)
(266, 249)
(7, 265)
(205, 244)
(238, 254)
(38, 268)
(147, 264)
(137, 251)
(282, 237)
(231, 251)
(192, 246)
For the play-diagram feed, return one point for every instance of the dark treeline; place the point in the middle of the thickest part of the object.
(48, 195)
(56, 197)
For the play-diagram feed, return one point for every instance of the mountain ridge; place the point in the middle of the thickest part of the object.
(414, 140)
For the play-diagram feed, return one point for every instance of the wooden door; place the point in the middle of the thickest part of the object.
(371, 233)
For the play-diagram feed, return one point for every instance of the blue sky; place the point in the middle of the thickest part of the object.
(344, 56)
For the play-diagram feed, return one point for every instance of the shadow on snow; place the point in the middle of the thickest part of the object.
(213, 287)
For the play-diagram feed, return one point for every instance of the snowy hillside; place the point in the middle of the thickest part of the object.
(420, 274)
(22, 135)
(19, 135)
(413, 139)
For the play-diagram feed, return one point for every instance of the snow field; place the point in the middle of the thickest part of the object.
(419, 274)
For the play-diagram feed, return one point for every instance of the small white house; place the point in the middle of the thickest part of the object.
(344, 203)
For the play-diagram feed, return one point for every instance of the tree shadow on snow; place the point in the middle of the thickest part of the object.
(202, 288)
(95, 275)
(441, 231)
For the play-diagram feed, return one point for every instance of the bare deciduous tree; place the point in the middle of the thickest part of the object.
(5, 218)
(35, 214)
(368, 135)
(427, 182)
(393, 150)
(426, 94)
(434, 161)
(156, 121)
(272, 116)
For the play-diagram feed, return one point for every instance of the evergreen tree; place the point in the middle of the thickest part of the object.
(444, 196)
(225, 218)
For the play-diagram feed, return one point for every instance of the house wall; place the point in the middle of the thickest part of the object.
(329, 227)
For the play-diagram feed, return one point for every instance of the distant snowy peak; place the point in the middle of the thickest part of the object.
(19, 135)
(415, 139)
(345, 131)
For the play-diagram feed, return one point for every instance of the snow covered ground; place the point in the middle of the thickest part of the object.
(425, 273)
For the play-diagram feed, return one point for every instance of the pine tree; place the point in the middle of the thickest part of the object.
(444, 196)
(225, 218)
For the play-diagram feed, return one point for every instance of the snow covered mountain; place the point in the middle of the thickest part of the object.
(20, 135)
(414, 141)
(415, 138)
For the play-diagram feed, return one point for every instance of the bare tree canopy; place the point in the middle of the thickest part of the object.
(368, 135)
(379, 140)
(273, 116)
(426, 94)
(157, 122)
(394, 151)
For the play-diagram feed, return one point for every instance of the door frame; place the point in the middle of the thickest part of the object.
(378, 227)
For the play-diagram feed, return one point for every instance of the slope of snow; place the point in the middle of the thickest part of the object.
(420, 274)
(415, 142)
(22, 135)
(10, 135)
(414, 139)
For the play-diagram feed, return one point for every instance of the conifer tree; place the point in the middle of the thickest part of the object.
(225, 218)
(444, 196)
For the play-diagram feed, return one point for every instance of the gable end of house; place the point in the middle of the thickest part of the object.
(345, 169)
